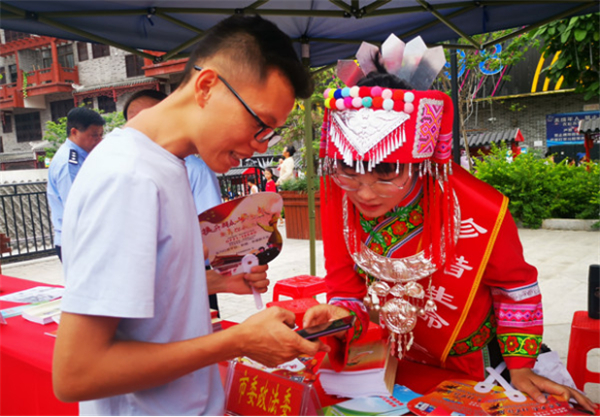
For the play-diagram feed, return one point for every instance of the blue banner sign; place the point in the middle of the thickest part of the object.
(561, 128)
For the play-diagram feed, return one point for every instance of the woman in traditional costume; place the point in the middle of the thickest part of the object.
(423, 247)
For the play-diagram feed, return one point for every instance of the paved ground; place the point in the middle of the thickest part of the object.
(562, 259)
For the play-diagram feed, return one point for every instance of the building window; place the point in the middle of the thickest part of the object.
(6, 123)
(11, 35)
(99, 50)
(82, 51)
(134, 64)
(65, 56)
(2, 75)
(88, 103)
(60, 108)
(1, 145)
(12, 71)
(46, 58)
(107, 104)
(28, 127)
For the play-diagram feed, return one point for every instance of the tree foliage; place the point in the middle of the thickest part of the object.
(294, 129)
(294, 125)
(491, 60)
(577, 41)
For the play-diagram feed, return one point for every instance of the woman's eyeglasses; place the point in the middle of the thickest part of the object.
(382, 188)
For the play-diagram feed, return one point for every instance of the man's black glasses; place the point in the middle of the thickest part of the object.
(266, 132)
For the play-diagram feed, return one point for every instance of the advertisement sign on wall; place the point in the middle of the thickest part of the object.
(561, 128)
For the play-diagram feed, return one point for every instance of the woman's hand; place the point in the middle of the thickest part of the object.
(323, 313)
(534, 385)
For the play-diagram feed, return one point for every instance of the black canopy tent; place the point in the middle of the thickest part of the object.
(323, 31)
(332, 29)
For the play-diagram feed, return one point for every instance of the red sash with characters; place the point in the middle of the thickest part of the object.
(482, 211)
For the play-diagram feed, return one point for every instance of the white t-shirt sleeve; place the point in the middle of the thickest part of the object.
(110, 246)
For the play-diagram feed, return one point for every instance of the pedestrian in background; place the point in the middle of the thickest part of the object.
(85, 128)
(252, 184)
(270, 186)
(286, 169)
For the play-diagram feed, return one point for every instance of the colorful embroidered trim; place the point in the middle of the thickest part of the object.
(369, 97)
(476, 340)
(427, 129)
(390, 231)
(518, 294)
(356, 308)
(443, 149)
(519, 315)
(517, 344)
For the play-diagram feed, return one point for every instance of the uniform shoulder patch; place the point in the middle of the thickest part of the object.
(73, 157)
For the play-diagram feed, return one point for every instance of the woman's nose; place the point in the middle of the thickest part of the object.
(365, 192)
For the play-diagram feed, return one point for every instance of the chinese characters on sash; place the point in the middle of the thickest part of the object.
(440, 294)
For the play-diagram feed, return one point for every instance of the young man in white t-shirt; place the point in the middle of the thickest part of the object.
(135, 334)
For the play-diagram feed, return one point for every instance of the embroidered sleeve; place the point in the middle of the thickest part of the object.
(516, 299)
(338, 356)
(358, 309)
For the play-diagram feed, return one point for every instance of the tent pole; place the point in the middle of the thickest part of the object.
(308, 139)
(456, 122)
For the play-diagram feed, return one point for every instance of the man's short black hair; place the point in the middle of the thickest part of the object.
(253, 44)
(155, 94)
(291, 150)
(81, 118)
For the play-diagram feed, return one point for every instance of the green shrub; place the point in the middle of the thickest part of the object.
(539, 189)
(299, 185)
(577, 195)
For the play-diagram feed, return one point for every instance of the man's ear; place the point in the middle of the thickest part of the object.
(73, 132)
(203, 85)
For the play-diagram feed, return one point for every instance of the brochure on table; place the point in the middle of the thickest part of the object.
(44, 313)
(463, 397)
(394, 405)
(34, 295)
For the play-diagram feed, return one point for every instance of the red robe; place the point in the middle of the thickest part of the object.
(503, 298)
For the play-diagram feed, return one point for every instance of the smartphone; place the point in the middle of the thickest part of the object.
(328, 328)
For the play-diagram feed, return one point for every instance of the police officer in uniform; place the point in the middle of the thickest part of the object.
(85, 130)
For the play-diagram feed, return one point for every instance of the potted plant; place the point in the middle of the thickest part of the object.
(295, 205)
